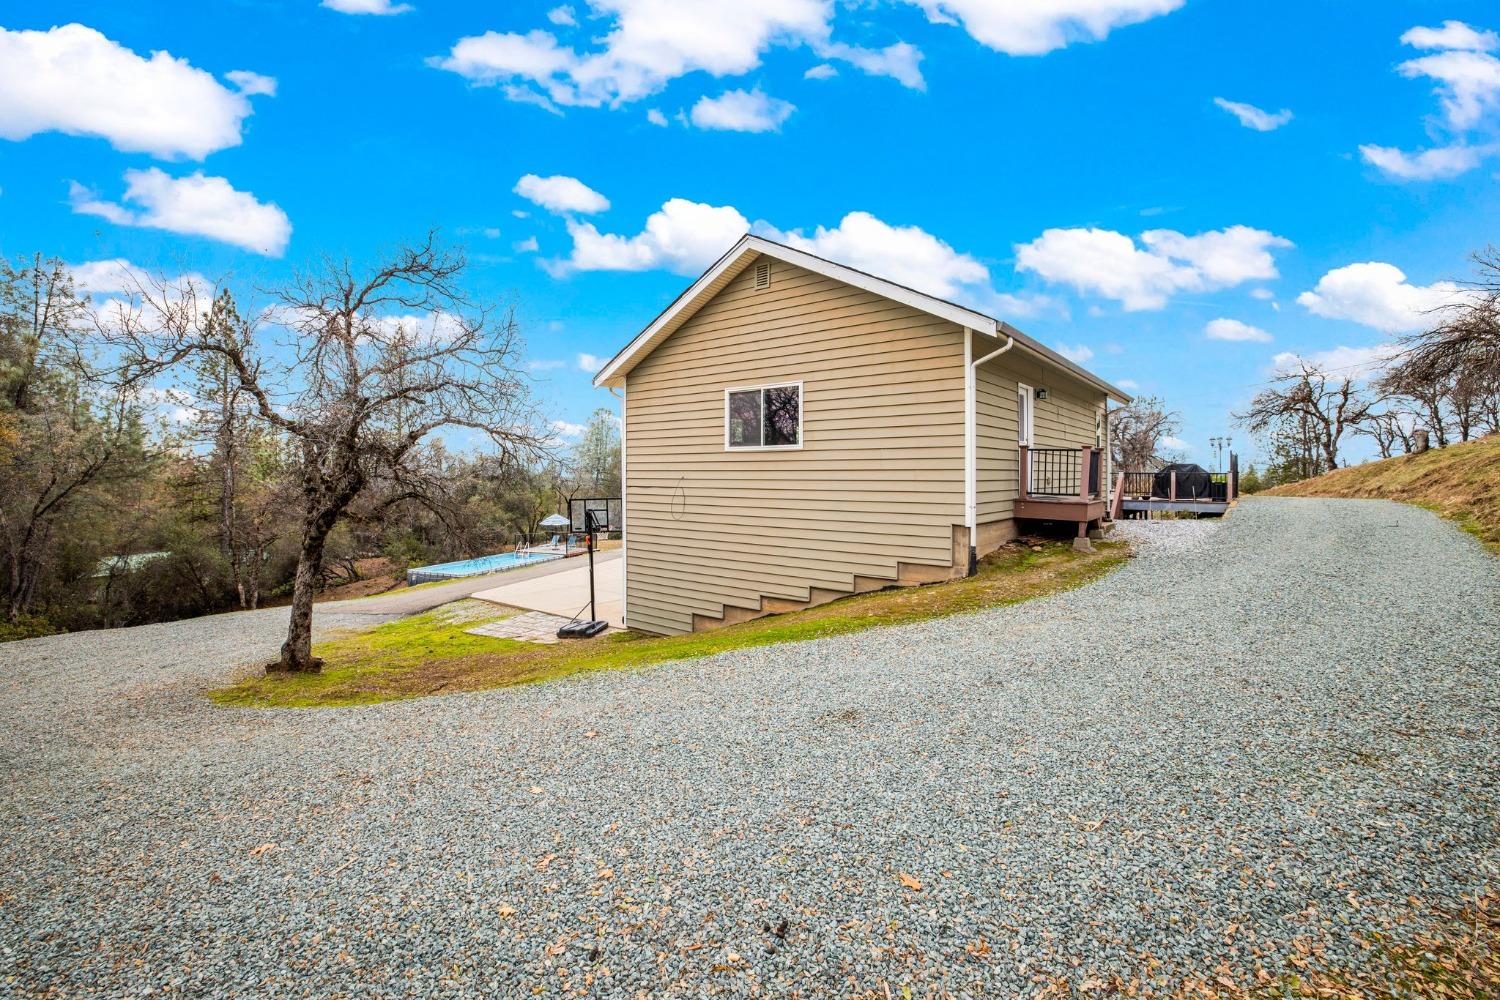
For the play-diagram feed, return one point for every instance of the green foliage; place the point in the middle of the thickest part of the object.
(1250, 481)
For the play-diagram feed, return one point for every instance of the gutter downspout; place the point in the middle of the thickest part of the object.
(624, 516)
(971, 440)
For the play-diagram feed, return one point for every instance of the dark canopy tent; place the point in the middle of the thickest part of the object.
(1193, 482)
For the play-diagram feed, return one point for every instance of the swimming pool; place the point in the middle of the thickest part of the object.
(476, 567)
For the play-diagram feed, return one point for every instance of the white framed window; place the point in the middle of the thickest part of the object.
(763, 417)
(1025, 413)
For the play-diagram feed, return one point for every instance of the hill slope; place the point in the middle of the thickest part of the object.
(1460, 482)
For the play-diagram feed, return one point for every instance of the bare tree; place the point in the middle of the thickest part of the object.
(371, 365)
(1389, 429)
(1137, 432)
(1328, 405)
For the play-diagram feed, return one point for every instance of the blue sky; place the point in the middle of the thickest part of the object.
(1119, 178)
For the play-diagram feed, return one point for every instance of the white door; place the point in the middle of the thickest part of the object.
(1025, 413)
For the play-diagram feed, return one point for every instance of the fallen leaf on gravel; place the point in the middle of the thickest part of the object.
(256, 852)
(1087, 825)
(591, 734)
(978, 948)
(535, 789)
(606, 873)
(911, 882)
(506, 911)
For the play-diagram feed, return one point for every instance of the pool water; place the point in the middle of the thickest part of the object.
(498, 563)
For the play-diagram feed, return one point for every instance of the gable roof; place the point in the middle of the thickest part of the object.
(742, 254)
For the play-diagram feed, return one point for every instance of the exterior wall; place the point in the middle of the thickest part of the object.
(1065, 419)
(874, 494)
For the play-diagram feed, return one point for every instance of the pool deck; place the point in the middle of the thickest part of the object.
(567, 591)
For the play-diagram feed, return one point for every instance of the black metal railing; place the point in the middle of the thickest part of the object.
(1054, 472)
(1058, 472)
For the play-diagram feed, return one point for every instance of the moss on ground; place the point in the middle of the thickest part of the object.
(1460, 483)
(432, 654)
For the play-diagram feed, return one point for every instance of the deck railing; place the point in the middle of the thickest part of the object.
(1061, 472)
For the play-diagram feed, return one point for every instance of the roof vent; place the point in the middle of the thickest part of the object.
(763, 274)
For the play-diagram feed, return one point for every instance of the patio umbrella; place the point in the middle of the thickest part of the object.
(555, 521)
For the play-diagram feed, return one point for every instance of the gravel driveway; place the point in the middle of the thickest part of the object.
(1266, 731)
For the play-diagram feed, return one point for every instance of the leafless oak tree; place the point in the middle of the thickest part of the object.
(369, 365)
(1329, 405)
(1136, 433)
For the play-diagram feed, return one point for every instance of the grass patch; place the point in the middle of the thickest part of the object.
(1460, 483)
(431, 654)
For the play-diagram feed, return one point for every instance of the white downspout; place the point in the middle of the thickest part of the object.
(971, 438)
(624, 517)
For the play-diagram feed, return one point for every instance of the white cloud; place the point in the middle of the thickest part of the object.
(562, 16)
(1252, 117)
(684, 236)
(1354, 362)
(1234, 330)
(378, 7)
(252, 84)
(1377, 295)
(1263, 294)
(652, 42)
(1035, 27)
(73, 79)
(906, 255)
(655, 117)
(561, 194)
(1128, 384)
(741, 111)
(194, 205)
(901, 62)
(1176, 443)
(567, 430)
(1110, 264)
(822, 71)
(528, 245)
(1440, 163)
(1452, 35)
(1078, 353)
(545, 365)
(1467, 85)
(590, 363)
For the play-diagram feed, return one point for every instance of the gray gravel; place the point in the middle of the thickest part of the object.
(1280, 734)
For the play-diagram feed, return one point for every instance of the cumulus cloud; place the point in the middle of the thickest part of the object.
(741, 111)
(683, 236)
(377, 7)
(590, 363)
(1354, 362)
(907, 255)
(655, 117)
(1035, 27)
(650, 43)
(1077, 353)
(1466, 79)
(1176, 443)
(1377, 295)
(567, 430)
(1234, 330)
(1146, 276)
(252, 84)
(559, 193)
(1440, 163)
(1252, 117)
(74, 80)
(562, 16)
(822, 71)
(193, 205)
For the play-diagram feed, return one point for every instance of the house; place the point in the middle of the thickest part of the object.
(796, 430)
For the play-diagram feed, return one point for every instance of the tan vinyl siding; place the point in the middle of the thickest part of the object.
(878, 482)
(1065, 419)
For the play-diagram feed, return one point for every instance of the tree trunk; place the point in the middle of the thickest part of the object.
(296, 652)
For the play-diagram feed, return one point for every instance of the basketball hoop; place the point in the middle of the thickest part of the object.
(590, 516)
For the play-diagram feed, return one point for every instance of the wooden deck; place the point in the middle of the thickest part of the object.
(1139, 492)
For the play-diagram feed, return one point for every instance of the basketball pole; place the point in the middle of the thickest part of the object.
(588, 518)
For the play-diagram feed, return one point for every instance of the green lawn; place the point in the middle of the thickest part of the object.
(432, 654)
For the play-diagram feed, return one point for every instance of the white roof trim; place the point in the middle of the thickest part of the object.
(750, 245)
